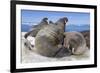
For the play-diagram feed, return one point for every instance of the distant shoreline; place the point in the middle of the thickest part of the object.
(78, 28)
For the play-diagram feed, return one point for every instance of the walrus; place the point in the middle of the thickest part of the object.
(75, 42)
(48, 40)
(35, 28)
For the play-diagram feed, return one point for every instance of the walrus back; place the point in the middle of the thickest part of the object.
(47, 40)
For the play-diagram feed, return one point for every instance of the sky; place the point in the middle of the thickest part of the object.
(32, 17)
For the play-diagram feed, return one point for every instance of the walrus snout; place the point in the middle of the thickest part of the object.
(65, 19)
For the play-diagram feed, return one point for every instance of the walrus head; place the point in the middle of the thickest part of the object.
(61, 23)
(63, 20)
(51, 22)
(45, 19)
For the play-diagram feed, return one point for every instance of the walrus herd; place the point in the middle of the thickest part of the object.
(51, 40)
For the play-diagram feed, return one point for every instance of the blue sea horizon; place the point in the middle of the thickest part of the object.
(68, 28)
(79, 28)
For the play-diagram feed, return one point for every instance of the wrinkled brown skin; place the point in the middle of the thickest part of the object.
(36, 28)
(49, 39)
(75, 42)
(86, 35)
